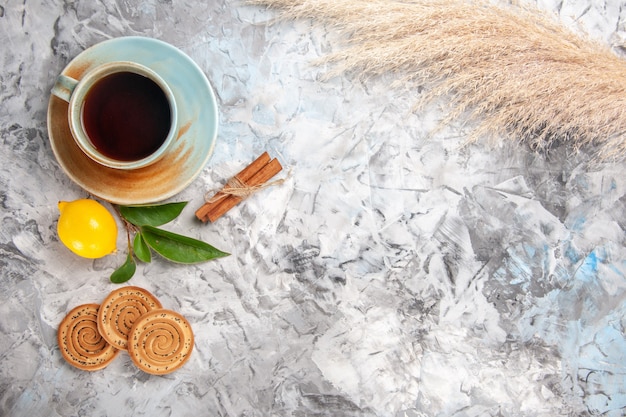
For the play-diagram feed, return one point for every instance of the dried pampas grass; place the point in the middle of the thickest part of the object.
(510, 70)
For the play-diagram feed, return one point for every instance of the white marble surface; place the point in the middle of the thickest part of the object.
(391, 275)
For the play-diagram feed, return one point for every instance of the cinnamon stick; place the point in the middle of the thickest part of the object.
(254, 175)
(243, 176)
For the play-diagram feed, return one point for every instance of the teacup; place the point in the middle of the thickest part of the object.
(121, 114)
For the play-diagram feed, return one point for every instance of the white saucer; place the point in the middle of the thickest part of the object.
(197, 112)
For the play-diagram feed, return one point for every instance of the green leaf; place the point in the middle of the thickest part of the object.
(124, 272)
(141, 249)
(152, 215)
(178, 248)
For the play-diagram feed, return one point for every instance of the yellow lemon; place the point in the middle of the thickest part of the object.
(87, 228)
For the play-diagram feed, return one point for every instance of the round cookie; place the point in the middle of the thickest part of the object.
(160, 342)
(80, 342)
(120, 309)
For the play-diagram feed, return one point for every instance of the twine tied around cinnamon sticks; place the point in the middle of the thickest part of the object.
(251, 179)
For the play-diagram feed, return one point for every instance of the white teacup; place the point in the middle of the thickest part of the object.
(121, 114)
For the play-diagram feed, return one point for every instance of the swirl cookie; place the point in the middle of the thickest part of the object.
(120, 309)
(80, 342)
(160, 342)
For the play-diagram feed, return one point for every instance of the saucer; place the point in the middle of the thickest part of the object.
(189, 153)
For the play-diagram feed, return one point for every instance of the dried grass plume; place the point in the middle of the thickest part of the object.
(510, 70)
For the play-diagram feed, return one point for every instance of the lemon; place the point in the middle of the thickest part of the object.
(87, 228)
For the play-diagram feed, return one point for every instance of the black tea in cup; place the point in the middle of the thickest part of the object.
(126, 116)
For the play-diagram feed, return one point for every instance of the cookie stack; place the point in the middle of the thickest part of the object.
(159, 341)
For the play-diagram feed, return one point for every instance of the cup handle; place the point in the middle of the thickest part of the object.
(64, 87)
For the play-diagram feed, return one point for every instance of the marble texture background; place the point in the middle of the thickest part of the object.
(392, 274)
